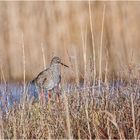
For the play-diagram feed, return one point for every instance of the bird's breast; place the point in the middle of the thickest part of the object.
(55, 77)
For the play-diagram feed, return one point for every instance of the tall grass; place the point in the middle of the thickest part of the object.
(91, 106)
(57, 25)
(106, 114)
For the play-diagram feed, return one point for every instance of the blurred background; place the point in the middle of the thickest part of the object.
(80, 33)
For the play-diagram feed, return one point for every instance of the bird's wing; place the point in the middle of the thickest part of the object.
(43, 77)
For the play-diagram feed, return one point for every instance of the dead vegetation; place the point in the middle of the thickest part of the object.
(113, 112)
(100, 43)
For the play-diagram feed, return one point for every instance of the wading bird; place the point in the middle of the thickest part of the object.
(49, 79)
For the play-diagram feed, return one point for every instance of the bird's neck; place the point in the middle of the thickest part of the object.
(56, 67)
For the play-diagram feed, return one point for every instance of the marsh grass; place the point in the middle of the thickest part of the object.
(54, 27)
(95, 104)
(111, 113)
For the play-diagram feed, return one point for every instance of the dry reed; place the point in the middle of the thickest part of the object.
(98, 108)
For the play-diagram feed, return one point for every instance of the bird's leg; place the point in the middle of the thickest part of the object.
(42, 97)
(49, 95)
(58, 91)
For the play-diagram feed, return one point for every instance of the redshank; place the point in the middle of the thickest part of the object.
(49, 78)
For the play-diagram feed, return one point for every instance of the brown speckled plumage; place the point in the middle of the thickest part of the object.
(50, 77)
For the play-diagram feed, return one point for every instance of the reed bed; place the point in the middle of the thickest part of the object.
(100, 92)
(56, 28)
(82, 113)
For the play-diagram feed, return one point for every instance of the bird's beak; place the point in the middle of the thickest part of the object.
(64, 65)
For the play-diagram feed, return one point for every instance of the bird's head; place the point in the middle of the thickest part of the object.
(57, 60)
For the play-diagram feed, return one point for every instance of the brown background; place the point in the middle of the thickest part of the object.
(58, 28)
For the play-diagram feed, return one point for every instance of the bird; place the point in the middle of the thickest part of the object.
(49, 79)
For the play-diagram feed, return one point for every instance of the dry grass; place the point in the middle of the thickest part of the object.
(99, 41)
(56, 27)
(112, 113)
